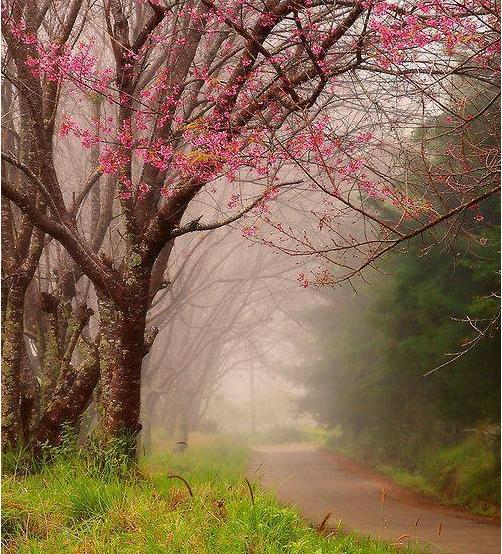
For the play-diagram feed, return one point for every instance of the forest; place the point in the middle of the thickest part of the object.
(388, 392)
(227, 221)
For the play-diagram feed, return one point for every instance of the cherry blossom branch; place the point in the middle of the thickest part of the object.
(481, 334)
(421, 230)
(196, 226)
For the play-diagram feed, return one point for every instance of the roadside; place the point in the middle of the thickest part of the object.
(319, 482)
(197, 502)
(404, 490)
(464, 475)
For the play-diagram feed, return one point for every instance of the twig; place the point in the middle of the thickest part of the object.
(184, 481)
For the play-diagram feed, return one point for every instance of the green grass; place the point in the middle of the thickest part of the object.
(283, 434)
(72, 506)
(407, 479)
(465, 474)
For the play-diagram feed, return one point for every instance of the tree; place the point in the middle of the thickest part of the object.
(415, 359)
(198, 96)
(218, 302)
(372, 368)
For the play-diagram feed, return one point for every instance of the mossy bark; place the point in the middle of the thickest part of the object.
(69, 402)
(12, 348)
(122, 348)
(51, 360)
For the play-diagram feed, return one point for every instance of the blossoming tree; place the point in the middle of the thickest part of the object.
(277, 107)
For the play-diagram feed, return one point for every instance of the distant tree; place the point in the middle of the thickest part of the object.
(201, 95)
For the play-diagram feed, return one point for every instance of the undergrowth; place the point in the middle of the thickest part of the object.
(191, 503)
(466, 474)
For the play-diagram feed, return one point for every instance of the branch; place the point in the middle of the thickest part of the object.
(150, 26)
(482, 334)
(423, 229)
(149, 339)
(66, 370)
(98, 272)
(86, 188)
(196, 226)
(35, 180)
(26, 204)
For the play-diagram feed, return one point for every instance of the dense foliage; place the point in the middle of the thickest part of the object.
(410, 370)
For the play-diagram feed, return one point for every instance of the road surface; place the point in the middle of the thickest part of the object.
(318, 482)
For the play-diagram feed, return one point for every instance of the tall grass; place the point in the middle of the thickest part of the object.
(73, 505)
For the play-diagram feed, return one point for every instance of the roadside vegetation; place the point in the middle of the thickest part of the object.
(84, 504)
(438, 431)
(465, 474)
(408, 375)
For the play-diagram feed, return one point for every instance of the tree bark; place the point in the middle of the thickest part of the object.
(12, 347)
(122, 348)
(70, 402)
(30, 393)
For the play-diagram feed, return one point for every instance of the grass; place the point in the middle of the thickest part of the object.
(73, 506)
(465, 474)
(407, 479)
(283, 434)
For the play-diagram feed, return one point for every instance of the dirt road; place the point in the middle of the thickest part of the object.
(318, 482)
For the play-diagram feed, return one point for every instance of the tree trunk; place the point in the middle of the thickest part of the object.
(88, 421)
(170, 416)
(184, 422)
(182, 442)
(146, 437)
(12, 348)
(30, 393)
(70, 403)
(122, 348)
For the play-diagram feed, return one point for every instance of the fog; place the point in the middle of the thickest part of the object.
(227, 333)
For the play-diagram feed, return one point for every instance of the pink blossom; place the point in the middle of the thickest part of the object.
(249, 231)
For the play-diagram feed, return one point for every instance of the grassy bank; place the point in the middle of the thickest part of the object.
(466, 474)
(74, 506)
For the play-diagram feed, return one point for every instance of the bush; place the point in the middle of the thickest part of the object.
(466, 474)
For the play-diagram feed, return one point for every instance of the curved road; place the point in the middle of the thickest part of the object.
(318, 482)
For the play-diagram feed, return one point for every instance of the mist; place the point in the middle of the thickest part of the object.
(251, 276)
